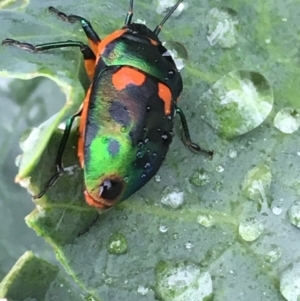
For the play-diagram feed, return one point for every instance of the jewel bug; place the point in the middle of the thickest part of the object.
(127, 116)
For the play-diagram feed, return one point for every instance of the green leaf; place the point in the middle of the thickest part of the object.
(29, 278)
(225, 228)
(32, 278)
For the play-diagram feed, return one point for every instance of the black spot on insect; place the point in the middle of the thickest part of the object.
(113, 147)
(110, 189)
(119, 113)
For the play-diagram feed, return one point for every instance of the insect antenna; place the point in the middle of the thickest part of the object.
(129, 14)
(158, 28)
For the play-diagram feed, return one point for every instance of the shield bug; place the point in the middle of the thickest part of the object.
(127, 116)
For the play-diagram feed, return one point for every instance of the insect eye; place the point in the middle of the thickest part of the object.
(110, 189)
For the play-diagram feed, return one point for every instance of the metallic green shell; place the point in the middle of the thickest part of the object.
(127, 135)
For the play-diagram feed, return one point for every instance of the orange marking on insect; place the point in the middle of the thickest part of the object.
(165, 94)
(91, 202)
(99, 48)
(126, 76)
(90, 68)
(94, 45)
(153, 42)
(82, 125)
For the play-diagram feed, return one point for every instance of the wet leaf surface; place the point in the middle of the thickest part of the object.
(233, 217)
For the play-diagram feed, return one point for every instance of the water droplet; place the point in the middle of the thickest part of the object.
(200, 178)
(274, 254)
(140, 144)
(205, 220)
(148, 108)
(172, 197)
(126, 179)
(176, 236)
(146, 140)
(123, 129)
(62, 127)
(189, 245)
(108, 280)
(290, 283)
(178, 52)
(220, 168)
(163, 228)
(142, 290)
(139, 154)
(237, 103)
(232, 153)
(222, 24)
(140, 21)
(18, 160)
(165, 5)
(157, 178)
(171, 73)
(287, 120)
(70, 169)
(294, 214)
(256, 183)
(268, 41)
(276, 210)
(250, 229)
(164, 137)
(104, 140)
(147, 165)
(117, 244)
(182, 281)
(143, 175)
(32, 137)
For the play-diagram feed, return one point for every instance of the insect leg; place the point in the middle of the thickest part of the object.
(88, 54)
(87, 229)
(91, 34)
(60, 152)
(186, 135)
